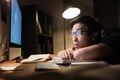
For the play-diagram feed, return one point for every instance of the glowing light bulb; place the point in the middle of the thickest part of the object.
(71, 13)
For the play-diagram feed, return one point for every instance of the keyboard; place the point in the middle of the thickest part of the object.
(46, 66)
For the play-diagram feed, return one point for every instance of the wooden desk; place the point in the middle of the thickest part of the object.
(84, 72)
(23, 69)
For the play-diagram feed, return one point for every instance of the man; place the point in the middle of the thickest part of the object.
(88, 43)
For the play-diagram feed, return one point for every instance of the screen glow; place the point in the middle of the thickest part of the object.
(15, 31)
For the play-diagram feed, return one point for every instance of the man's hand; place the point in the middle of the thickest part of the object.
(66, 54)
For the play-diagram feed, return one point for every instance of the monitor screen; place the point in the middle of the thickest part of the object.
(15, 29)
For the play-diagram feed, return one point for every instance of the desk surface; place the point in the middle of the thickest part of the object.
(25, 69)
(97, 70)
(22, 70)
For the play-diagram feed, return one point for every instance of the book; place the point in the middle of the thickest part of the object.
(36, 58)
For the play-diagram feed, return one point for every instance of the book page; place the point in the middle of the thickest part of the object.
(36, 58)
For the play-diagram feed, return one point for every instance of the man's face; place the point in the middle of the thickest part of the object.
(80, 37)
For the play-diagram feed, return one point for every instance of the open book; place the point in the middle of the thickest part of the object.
(36, 58)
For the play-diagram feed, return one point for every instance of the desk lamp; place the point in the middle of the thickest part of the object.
(71, 11)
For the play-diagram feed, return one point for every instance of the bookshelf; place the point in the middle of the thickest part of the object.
(37, 31)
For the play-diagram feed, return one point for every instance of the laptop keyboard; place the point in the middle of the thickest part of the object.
(46, 66)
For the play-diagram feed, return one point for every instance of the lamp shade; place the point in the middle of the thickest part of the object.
(71, 13)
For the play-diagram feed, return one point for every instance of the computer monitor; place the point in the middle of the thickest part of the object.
(15, 30)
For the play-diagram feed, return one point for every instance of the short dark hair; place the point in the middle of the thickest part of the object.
(91, 24)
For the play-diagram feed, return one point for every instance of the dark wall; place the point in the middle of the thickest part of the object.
(106, 11)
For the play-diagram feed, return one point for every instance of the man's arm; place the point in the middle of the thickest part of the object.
(92, 52)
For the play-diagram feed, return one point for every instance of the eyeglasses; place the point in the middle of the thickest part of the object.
(77, 33)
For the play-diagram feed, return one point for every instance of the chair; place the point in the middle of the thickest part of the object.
(111, 31)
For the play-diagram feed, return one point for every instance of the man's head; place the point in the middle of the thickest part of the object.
(85, 31)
